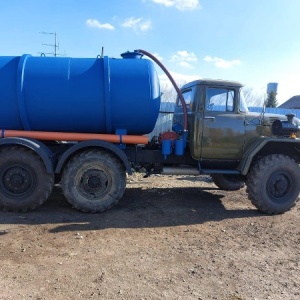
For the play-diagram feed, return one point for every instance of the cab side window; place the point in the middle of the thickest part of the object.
(219, 99)
(188, 97)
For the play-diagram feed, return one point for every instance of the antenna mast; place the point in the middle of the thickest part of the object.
(55, 45)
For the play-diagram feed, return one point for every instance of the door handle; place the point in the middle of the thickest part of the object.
(209, 118)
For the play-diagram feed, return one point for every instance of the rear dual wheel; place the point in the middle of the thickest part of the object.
(93, 181)
(24, 181)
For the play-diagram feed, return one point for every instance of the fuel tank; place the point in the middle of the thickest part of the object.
(92, 95)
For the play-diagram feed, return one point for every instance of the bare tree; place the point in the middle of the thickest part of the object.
(252, 97)
(169, 94)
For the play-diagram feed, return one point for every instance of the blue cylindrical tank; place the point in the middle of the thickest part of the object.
(98, 95)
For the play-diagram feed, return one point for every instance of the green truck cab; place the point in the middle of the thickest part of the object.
(236, 146)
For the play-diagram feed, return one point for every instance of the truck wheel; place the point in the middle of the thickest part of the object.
(273, 184)
(93, 181)
(227, 182)
(24, 182)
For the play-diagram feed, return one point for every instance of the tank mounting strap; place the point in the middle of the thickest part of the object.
(107, 96)
(20, 91)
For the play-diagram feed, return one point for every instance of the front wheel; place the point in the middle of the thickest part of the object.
(93, 181)
(273, 184)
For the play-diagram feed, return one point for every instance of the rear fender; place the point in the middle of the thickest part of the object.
(38, 147)
(95, 144)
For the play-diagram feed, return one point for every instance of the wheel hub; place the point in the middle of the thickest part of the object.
(279, 185)
(17, 180)
(93, 183)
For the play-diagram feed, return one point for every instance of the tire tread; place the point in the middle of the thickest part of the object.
(47, 180)
(256, 175)
(96, 207)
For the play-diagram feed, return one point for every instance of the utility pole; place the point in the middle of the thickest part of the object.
(55, 45)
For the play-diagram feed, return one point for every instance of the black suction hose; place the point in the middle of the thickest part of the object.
(172, 81)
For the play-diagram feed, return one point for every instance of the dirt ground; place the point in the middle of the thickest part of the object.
(168, 238)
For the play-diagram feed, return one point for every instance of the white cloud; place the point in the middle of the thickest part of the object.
(96, 24)
(184, 59)
(137, 24)
(179, 4)
(222, 63)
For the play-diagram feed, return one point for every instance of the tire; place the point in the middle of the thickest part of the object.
(227, 182)
(273, 184)
(93, 181)
(24, 181)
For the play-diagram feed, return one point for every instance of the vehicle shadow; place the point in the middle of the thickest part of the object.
(138, 208)
(203, 178)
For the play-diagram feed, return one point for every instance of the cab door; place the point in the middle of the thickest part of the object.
(223, 130)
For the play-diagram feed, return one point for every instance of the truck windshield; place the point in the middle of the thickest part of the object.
(243, 105)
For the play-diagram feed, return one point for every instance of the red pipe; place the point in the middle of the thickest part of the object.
(72, 136)
(173, 82)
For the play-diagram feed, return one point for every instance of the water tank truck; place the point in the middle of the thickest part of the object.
(82, 122)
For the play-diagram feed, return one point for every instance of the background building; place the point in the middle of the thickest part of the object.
(292, 103)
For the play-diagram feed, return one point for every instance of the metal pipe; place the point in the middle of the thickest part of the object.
(72, 136)
(180, 171)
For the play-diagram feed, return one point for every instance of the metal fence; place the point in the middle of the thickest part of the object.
(164, 120)
(278, 111)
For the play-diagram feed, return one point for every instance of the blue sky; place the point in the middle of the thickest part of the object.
(254, 42)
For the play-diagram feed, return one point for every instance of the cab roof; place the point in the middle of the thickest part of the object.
(216, 82)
